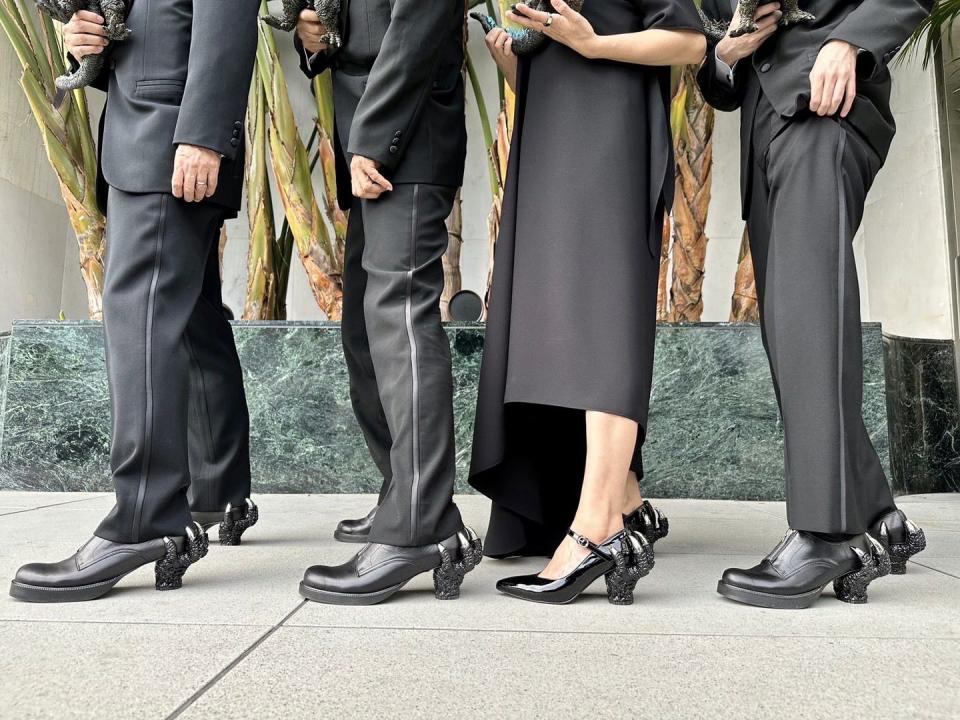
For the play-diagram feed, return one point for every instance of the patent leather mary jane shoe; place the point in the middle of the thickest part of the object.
(648, 521)
(622, 560)
(99, 564)
(233, 521)
(379, 571)
(355, 531)
(901, 537)
(797, 571)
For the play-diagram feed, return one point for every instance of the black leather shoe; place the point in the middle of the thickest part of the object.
(622, 559)
(378, 571)
(100, 564)
(355, 531)
(648, 521)
(901, 537)
(233, 521)
(796, 572)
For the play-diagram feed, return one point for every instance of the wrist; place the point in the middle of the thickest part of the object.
(725, 53)
(593, 47)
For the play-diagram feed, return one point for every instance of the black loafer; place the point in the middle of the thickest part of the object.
(355, 531)
(233, 521)
(99, 564)
(901, 537)
(622, 560)
(795, 573)
(379, 571)
(648, 521)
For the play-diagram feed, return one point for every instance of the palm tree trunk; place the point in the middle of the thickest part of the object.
(452, 275)
(693, 121)
(663, 294)
(744, 306)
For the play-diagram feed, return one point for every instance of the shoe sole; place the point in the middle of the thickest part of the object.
(40, 594)
(344, 537)
(769, 600)
(329, 597)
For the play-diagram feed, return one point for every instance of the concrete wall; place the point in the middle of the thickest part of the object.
(903, 250)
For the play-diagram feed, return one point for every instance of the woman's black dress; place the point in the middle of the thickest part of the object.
(573, 300)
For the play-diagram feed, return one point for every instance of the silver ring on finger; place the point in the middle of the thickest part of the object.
(549, 21)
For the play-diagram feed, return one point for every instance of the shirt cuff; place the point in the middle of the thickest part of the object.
(724, 71)
(308, 58)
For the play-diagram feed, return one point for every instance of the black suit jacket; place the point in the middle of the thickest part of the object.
(398, 89)
(182, 77)
(781, 67)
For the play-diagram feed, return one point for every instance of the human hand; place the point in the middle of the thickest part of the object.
(500, 44)
(368, 183)
(310, 30)
(195, 173)
(734, 49)
(85, 34)
(566, 26)
(833, 80)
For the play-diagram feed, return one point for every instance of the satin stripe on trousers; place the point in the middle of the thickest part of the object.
(404, 239)
(176, 387)
(807, 199)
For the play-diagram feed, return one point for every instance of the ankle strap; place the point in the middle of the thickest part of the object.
(588, 544)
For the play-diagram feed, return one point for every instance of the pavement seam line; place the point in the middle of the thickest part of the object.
(43, 507)
(606, 633)
(942, 572)
(185, 705)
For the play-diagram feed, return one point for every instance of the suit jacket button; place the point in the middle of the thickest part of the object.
(236, 133)
(234, 141)
(238, 125)
(765, 67)
(394, 149)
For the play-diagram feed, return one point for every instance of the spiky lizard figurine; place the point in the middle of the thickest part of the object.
(114, 14)
(525, 41)
(328, 11)
(792, 15)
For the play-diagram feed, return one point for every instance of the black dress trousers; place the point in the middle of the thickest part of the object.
(398, 353)
(176, 386)
(810, 179)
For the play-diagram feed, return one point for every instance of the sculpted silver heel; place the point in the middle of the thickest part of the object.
(852, 588)
(914, 542)
(631, 561)
(232, 527)
(448, 577)
(170, 569)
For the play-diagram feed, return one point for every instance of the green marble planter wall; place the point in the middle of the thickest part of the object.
(714, 428)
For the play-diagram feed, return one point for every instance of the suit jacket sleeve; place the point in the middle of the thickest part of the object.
(401, 78)
(716, 90)
(880, 27)
(223, 48)
(310, 65)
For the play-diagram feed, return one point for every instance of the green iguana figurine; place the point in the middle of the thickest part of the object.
(328, 11)
(525, 41)
(114, 13)
(792, 14)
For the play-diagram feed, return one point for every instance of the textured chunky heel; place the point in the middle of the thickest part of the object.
(448, 577)
(648, 521)
(632, 561)
(795, 17)
(852, 587)
(170, 568)
(231, 528)
(915, 542)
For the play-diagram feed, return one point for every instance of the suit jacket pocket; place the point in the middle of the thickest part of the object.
(164, 91)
